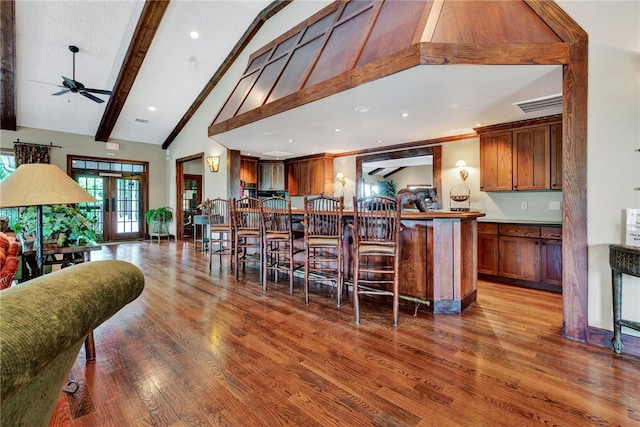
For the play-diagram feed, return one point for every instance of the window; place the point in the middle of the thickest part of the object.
(371, 188)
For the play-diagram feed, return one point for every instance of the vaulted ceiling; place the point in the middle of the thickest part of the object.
(143, 52)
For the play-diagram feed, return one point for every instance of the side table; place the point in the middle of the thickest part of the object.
(623, 259)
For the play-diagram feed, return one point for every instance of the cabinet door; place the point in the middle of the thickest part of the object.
(519, 258)
(488, 254)
(293, 176)
(496, 162)
(277, 176)
(248, 171)
(556, 156)
(551, 261)
(264, 173)
(531, 159)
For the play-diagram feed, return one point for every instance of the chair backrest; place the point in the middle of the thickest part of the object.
(276, 214)
(246, 213)
(323, 216)
(376, 220)
(218, 211)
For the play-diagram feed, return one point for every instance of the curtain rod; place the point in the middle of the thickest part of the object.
(17, 141)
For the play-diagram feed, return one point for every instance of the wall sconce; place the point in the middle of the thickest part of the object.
(342, 180)
(214, 163)
(464, 173)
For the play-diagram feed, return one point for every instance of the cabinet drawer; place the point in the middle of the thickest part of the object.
(519, 230)
(551, 233)
(485, 228)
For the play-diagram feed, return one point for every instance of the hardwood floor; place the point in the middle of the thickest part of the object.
(200, 349)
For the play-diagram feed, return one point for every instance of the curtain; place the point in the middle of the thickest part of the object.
(31, 153)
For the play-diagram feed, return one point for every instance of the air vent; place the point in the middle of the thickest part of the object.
(540, 104)
(142, 120)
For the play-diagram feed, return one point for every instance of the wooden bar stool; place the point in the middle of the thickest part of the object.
(376, 238)
(278, 239)
(247, 233)
(220, 230)
(323, 235)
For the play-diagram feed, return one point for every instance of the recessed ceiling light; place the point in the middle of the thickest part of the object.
(336, 130)
(405, 114)
(194, 35)
(361, 109)
(379, 141)
(478, 124)
(152, 108)
(291, 140)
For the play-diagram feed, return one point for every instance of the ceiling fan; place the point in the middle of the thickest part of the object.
(74, 86)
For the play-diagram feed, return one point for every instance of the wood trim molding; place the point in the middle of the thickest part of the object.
(415, 144)
(8, 58)
(602, 338)
(148, 24)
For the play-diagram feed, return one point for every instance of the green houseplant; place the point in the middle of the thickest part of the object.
(67, 225)
(159, 219)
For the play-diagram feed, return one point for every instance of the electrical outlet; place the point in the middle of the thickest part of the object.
(554, 206)
(523, 206)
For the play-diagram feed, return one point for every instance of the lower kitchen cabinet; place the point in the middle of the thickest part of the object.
(521, 255)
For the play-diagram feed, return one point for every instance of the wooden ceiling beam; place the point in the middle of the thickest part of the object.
(148, 24)
(8, 58)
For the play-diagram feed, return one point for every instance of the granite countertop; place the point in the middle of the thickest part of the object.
(523, 221)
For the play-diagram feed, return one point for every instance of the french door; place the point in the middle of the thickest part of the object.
(119, 210)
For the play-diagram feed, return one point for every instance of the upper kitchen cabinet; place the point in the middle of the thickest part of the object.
(271, 175)
(522, 156)
(496, 162)
(249, 169)
(531, 159)
(310, 175)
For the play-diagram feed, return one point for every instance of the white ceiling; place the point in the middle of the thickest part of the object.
(440, 100)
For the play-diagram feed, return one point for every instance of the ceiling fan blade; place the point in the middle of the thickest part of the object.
(101, 91)
(62, 92)
(70, 82)
(91, 97)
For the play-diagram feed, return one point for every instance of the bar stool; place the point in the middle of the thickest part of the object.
(278, 239)
(200, 222)
(220, 230)
(247, 233)
(323, 235)
(376, 237)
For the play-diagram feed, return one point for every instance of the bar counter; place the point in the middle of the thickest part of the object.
(438, 251)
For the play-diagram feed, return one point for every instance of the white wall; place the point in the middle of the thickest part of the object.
(83, 145)
(613, 134)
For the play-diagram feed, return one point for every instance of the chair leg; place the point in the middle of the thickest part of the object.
(356, 304)
(340, 281)
(306, 275)
(290, 267)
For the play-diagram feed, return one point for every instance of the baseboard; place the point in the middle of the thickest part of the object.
(603, 337)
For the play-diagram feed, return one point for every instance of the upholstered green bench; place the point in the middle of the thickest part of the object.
(43, 324)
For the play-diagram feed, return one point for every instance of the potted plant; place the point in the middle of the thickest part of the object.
(159, 219)
(61, 224)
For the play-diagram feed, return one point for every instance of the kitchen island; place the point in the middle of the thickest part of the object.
(438, 252)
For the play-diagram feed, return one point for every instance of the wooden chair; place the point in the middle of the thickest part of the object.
(278, 239)
(247, 233)
(376, 237)
(220, 229)
(323, 234)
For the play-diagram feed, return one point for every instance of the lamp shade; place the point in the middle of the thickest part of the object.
(40, 184)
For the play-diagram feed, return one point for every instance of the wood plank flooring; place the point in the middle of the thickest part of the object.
(198, 348)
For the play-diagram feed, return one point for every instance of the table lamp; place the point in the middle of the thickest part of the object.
(39, 184)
